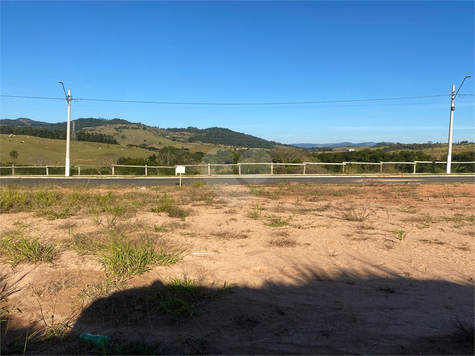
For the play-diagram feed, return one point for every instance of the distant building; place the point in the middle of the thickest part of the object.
(351, 150)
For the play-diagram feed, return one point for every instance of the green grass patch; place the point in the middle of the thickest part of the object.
(460, 219)
(161, 228)
(255, 190)
(87, 244)
(277, 221)
(12, 200)
(256, 212)
(400, 234)
(52, 214)
(124, 258)
(167, 205)
(102, 289)
(179, 297)
(19, 249)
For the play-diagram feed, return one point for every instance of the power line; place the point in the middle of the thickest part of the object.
(235, 104)
(259, 103)
(30, 97)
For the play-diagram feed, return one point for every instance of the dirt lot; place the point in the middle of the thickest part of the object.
(310, 269)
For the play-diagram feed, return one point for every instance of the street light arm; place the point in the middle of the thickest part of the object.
(452, 108)
(468, 76)
(66, 95)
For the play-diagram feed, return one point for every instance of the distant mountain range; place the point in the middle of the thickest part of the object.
(333, 145)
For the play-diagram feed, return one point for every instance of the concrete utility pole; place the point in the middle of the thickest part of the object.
(451, 124)
(68, 130)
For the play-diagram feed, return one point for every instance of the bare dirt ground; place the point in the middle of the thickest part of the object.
(367, 269)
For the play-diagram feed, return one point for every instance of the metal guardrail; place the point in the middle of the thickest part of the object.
(206, 169)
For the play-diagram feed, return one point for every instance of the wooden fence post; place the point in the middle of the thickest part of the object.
(239, 166)
(209, 169)
(13, 170)
(146, 170)
(47, 170)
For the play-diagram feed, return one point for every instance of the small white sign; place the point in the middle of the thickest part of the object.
(180, 170)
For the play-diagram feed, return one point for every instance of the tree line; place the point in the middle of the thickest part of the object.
(222, 136)
(57, 134)
(375, 156)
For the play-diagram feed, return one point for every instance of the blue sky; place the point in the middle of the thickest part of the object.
(247, 52)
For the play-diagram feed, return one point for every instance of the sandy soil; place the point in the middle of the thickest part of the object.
(309, 277)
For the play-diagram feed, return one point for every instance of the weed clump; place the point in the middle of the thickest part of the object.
(277, 221)
(357, 214)
(400, 234)
(283, 241)
(25, 250)
(166, 205)
(179, 297)
(256, 212)
(125, 258)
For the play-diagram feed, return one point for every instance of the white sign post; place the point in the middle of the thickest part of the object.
(180, 170)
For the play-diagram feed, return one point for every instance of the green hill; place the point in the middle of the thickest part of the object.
(79, 123)
(125, 132)
(42, 151)
(104, 141)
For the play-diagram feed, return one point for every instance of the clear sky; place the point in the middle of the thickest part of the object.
(247, 52)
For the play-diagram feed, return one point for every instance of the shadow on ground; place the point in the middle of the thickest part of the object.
(317, 314)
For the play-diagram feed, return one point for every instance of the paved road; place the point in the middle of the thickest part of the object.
(230, 180)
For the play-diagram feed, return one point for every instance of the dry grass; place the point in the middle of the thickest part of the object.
(283, 241)
(230, 235)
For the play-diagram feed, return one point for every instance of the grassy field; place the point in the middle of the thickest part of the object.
(152, 136)
(42, 151)
(438, 152)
